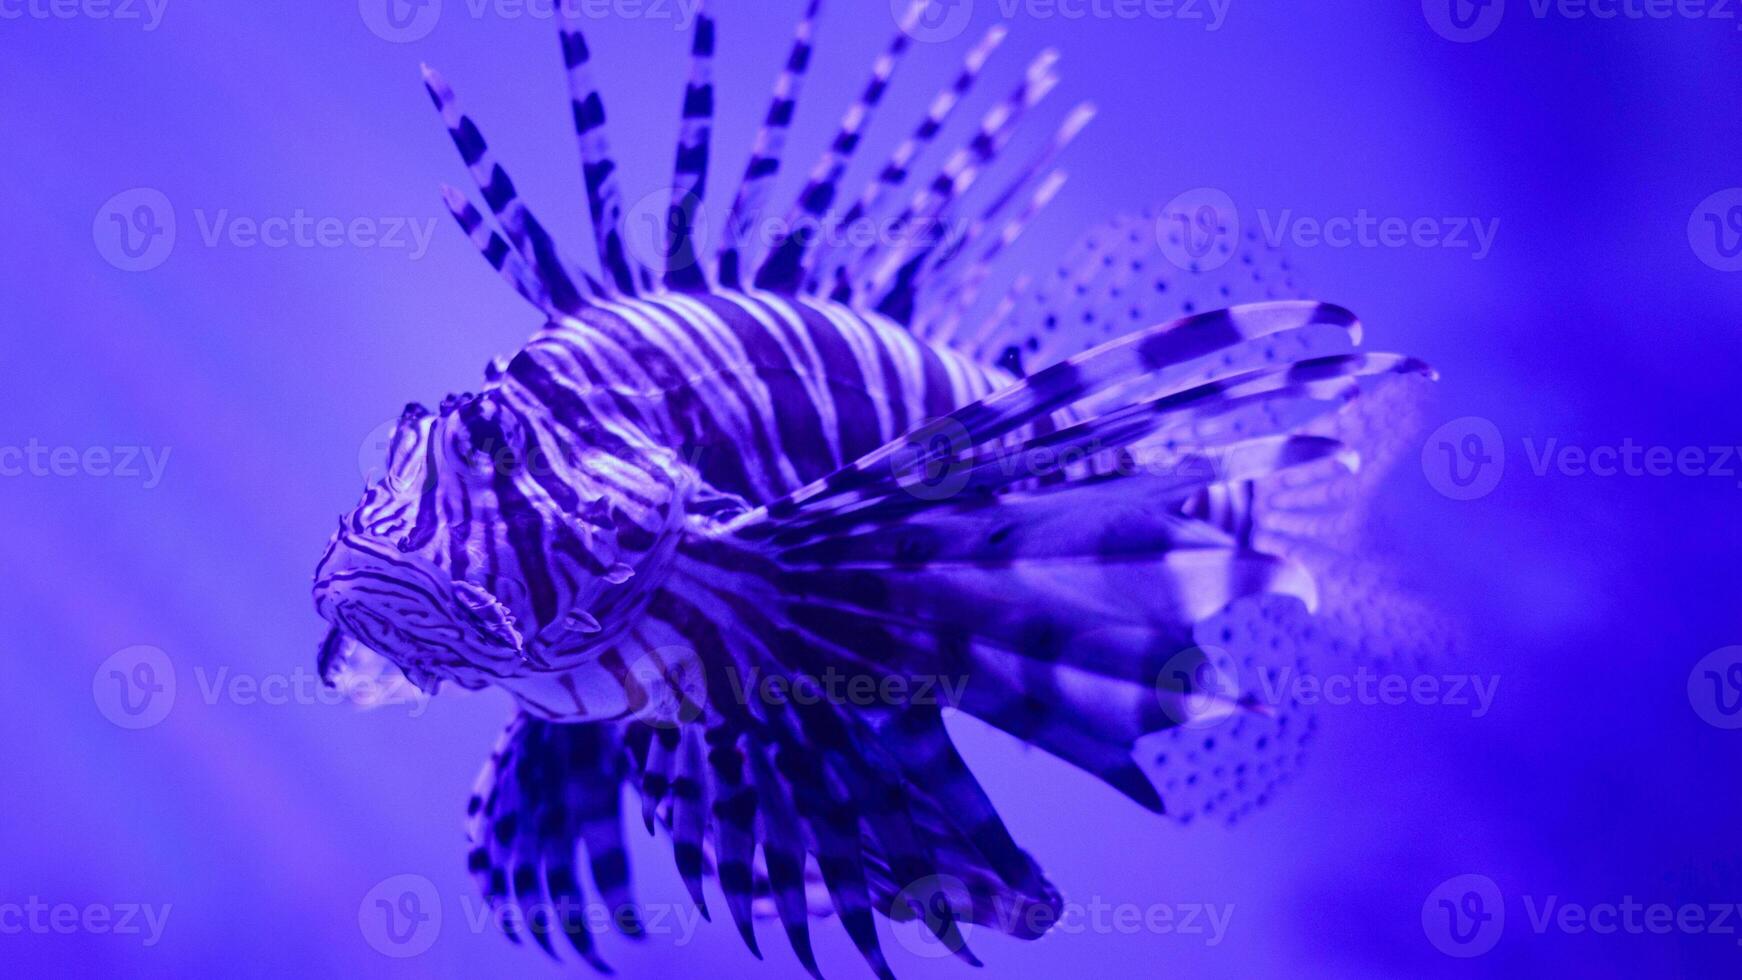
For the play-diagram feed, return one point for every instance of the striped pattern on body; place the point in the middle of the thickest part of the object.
(680, 484)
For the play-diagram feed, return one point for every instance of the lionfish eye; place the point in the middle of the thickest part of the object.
(484, 437)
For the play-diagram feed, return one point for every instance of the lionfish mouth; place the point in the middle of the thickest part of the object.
(402, 606)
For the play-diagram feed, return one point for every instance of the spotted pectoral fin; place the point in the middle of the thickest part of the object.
(1061, 595)
(1123, 275)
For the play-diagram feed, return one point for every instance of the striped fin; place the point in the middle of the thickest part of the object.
(1060, 607)
(785, 265)
(784, 854)
(899, 166)
(941, 325)
(523, 229)
(765, 154)
(734, 816)
(876, 795)
(1159, 360)
(501, 256)
(689, 816)
(876, 267)
(598, 167)
(689, 184)
(1116, 278)
(546, 789)
(937, 271)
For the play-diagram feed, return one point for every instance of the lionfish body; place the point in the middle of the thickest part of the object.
(813, 466)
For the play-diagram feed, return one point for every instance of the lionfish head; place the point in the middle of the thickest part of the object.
(488, 550)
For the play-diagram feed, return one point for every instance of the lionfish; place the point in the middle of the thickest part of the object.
(795, 455)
